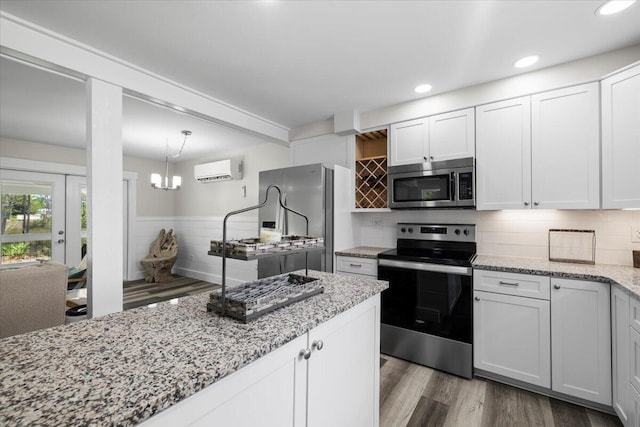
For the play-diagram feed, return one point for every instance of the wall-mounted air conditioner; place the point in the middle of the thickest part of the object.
(222, 170)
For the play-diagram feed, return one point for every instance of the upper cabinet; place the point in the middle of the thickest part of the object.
(540, 152)
(441, 137)
(565, 148)
(621, 139)
(503, 160)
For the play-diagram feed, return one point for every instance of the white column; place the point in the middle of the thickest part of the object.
(104, 197)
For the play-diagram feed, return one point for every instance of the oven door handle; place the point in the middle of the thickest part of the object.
(437, 268)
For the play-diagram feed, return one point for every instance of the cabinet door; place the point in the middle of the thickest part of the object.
(408, 141)
(511, 337)
(359, 266)
(634, 356)
(565, 148)
(343, 376)
(503, 160)
(452, 135)
(634, 416)
(273, 387)
(620, 353)
(581, 339)
(621, 140)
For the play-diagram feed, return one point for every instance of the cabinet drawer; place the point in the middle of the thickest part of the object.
(524, 285)
(355, 265)
(634, 313)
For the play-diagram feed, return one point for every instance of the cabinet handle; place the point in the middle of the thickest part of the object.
(556, 286)
(305, 353)
(477, 298)
(355, 265)
(425, 158)
(318, 344)
(509, 283)
(536, 203)
(526, 203)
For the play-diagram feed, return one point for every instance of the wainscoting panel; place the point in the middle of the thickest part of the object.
(194, 238)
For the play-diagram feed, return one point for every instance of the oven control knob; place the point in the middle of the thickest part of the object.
(410, 230)
(457, 231)
(403, 230)
(466, 232)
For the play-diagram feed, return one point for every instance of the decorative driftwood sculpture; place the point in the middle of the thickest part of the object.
(164, 252)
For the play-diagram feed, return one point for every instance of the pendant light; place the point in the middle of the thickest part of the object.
(157, 180)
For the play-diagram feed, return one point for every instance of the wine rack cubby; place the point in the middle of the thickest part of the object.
(371, 170)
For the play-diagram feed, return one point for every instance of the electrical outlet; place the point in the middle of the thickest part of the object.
(377, 222)
(635, 233)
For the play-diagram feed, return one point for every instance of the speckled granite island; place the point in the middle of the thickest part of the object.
(625, 277)
(124, 368)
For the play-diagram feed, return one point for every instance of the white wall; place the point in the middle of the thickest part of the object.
(515, 233)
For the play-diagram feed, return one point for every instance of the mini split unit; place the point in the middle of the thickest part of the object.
(222, 170)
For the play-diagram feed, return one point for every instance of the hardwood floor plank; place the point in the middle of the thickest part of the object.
(443, 388)
(598, 419)
(401, 394)
(428, 413)
(569, 415)
(468, 406)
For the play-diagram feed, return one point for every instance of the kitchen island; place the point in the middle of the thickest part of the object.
(124, 368)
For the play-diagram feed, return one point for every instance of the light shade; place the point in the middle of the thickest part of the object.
(614, 6)
(177, 182)
(526, 61)
(156, 180)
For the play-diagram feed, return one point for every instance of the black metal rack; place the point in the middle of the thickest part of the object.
(224, 241)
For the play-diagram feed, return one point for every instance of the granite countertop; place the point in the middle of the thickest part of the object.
(123, 368)
(362, 252)
(626, 277)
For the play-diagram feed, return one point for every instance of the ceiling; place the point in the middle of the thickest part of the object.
(298, 62)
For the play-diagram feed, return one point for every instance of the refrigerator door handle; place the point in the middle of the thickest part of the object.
(285, 214)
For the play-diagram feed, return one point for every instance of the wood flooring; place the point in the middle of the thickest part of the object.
(415, 396)
(139, 293)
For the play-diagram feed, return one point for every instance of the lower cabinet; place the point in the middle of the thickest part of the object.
(356, 265)
(327, 377)
(581, 339)
(511, 337)
(559, 340)
(620, 364)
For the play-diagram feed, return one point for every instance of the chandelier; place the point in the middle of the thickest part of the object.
(160, 183)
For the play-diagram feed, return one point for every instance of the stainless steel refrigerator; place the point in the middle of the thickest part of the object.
(307, 189)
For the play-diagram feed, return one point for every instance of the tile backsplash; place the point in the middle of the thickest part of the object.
(514, 233)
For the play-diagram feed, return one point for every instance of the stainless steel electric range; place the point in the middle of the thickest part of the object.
(427, 310)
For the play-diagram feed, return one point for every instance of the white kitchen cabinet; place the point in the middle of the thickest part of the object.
(452, 135)
(343, 370)
(581, 339)
(503, 159)
(634, 356)
(565, 148)
(408, 142)
(620, 353)
(357, 265)
(512, 337)
(441, 137)
(338, 384)
(540, 151)
(634, 416)
(621, 139)
(517, 284)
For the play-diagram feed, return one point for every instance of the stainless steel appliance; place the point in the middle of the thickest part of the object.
(427, 309)
(445, 184)
(307, 189)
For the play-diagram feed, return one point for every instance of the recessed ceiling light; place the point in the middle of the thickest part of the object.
(614, 6)
(422, 88)
(526, 61)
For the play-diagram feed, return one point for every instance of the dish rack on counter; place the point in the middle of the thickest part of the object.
(251, 300)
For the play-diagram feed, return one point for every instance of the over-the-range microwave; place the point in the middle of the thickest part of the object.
(442, 184)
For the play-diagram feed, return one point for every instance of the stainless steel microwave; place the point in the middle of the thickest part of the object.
(444, 184)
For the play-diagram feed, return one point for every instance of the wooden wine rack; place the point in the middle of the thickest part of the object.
(371, 170)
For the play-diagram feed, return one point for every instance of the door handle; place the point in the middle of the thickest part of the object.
(509, 283)
(305, 353)
(60, 241)
(355, 265)
(318, 344)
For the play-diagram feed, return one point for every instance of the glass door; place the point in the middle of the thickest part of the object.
(76, 219)
(32, 217)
